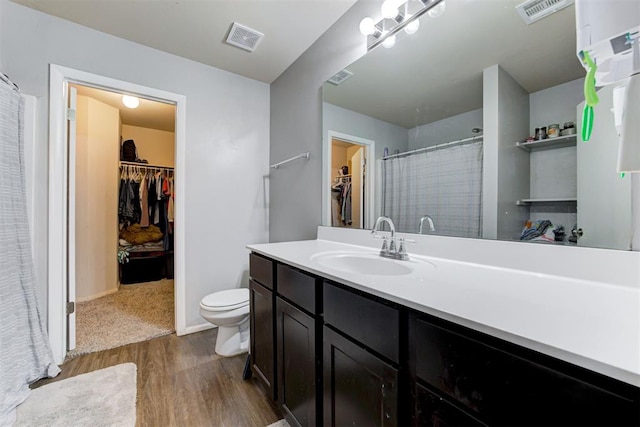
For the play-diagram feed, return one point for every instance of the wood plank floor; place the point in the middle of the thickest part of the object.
(182, 382)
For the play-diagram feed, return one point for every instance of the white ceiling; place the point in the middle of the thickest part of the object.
(197, 29)
(437, 72)
(149, 114)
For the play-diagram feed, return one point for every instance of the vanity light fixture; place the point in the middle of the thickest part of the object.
(130, 101)
(396, 16)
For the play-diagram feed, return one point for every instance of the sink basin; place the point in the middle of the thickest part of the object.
(367, 263)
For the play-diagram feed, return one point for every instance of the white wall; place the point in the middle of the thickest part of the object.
(445, 130)
(155, 146)
(227, 130)
(97, 154)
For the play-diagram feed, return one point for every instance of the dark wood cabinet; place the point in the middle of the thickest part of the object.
(263, 338)
(432, 410)
(335, 356)
(506, 385)
(297, 368)
(359, 388)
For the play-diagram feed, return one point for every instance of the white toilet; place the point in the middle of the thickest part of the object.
(229, 310)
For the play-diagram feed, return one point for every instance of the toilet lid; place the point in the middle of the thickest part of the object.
(228, 298)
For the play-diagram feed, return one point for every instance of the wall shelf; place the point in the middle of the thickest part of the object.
(527, 202)
(547, 144)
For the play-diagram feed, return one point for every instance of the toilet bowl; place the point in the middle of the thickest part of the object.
(229, 310)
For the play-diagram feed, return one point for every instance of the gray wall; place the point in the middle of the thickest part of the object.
(445, 130)
(227, 135)
(384, 134)
(296, 125)
(505, 167)
(513, 163)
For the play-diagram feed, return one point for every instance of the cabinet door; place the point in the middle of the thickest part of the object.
(296, 365)
(433, 411)
(359, 388)
(262, 335)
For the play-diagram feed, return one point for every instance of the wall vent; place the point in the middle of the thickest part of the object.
(340, 77)
(534, 10)
(244, 37)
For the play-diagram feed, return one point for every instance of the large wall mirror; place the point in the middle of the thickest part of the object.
(436, 134)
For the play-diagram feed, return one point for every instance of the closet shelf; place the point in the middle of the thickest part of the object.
(547, 144)
(527, 202)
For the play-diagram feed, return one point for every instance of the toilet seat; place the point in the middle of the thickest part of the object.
(226, 300)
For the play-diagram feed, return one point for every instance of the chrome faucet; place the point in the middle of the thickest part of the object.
(390, 251)
(431, 226)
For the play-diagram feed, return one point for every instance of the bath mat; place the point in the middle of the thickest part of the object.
(106, 397)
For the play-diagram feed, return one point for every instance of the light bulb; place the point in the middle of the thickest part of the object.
(367, 26)
(437, 10)
(130, 101)
(389, 42)
(389, 9)
(412, 27)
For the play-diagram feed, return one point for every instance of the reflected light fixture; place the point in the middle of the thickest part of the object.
(130, 101)
(396, 16)
(389, 42)
(412, 26)
(437, 10)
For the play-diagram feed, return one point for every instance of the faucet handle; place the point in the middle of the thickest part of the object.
(402, 239)
(385, 248)
(402, 251)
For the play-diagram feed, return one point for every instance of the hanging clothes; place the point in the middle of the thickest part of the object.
(144, 202)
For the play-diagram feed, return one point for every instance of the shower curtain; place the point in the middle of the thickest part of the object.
(445, 184)
(25, 355)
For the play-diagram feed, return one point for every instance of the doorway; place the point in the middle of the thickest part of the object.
(124, 247)
(62, 228)
(348, 183)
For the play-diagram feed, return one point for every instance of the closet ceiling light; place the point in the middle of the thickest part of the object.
(130, 101)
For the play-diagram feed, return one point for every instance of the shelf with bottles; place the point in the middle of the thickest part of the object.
(549, 143)
(527, 202)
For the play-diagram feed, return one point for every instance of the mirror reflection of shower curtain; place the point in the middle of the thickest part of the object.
(445, 184)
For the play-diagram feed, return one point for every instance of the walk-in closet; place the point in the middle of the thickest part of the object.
(347, 184)
(122, 206)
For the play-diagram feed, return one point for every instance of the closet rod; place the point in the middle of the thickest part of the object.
(434, 147)
(145, 165)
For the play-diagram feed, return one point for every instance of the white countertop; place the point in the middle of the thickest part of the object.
(592, 324)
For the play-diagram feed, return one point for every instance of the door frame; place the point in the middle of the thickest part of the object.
(59, 227)
(370, 149)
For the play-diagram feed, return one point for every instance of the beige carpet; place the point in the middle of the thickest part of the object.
(106, 397)
(135, 313)
(279, 423)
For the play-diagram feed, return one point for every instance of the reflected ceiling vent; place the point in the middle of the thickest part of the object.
(340, 77)
(534, 10)
(244, 37)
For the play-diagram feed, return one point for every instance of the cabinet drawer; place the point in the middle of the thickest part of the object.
(261, 270)
(374, 324)
(297, 287)
(507, 385)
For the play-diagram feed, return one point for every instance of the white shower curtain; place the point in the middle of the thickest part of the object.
(445, 184)
(25, 355)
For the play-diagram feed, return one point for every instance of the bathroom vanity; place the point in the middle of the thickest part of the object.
(337, 343)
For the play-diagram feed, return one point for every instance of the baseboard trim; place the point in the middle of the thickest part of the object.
(96, 296)
(196, 328)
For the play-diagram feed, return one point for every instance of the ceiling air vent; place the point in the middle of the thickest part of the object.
(244, 37)
(340, 77)
(534, 10)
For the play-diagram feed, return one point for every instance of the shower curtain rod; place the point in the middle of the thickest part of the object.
(433, 147)
(8, 81)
